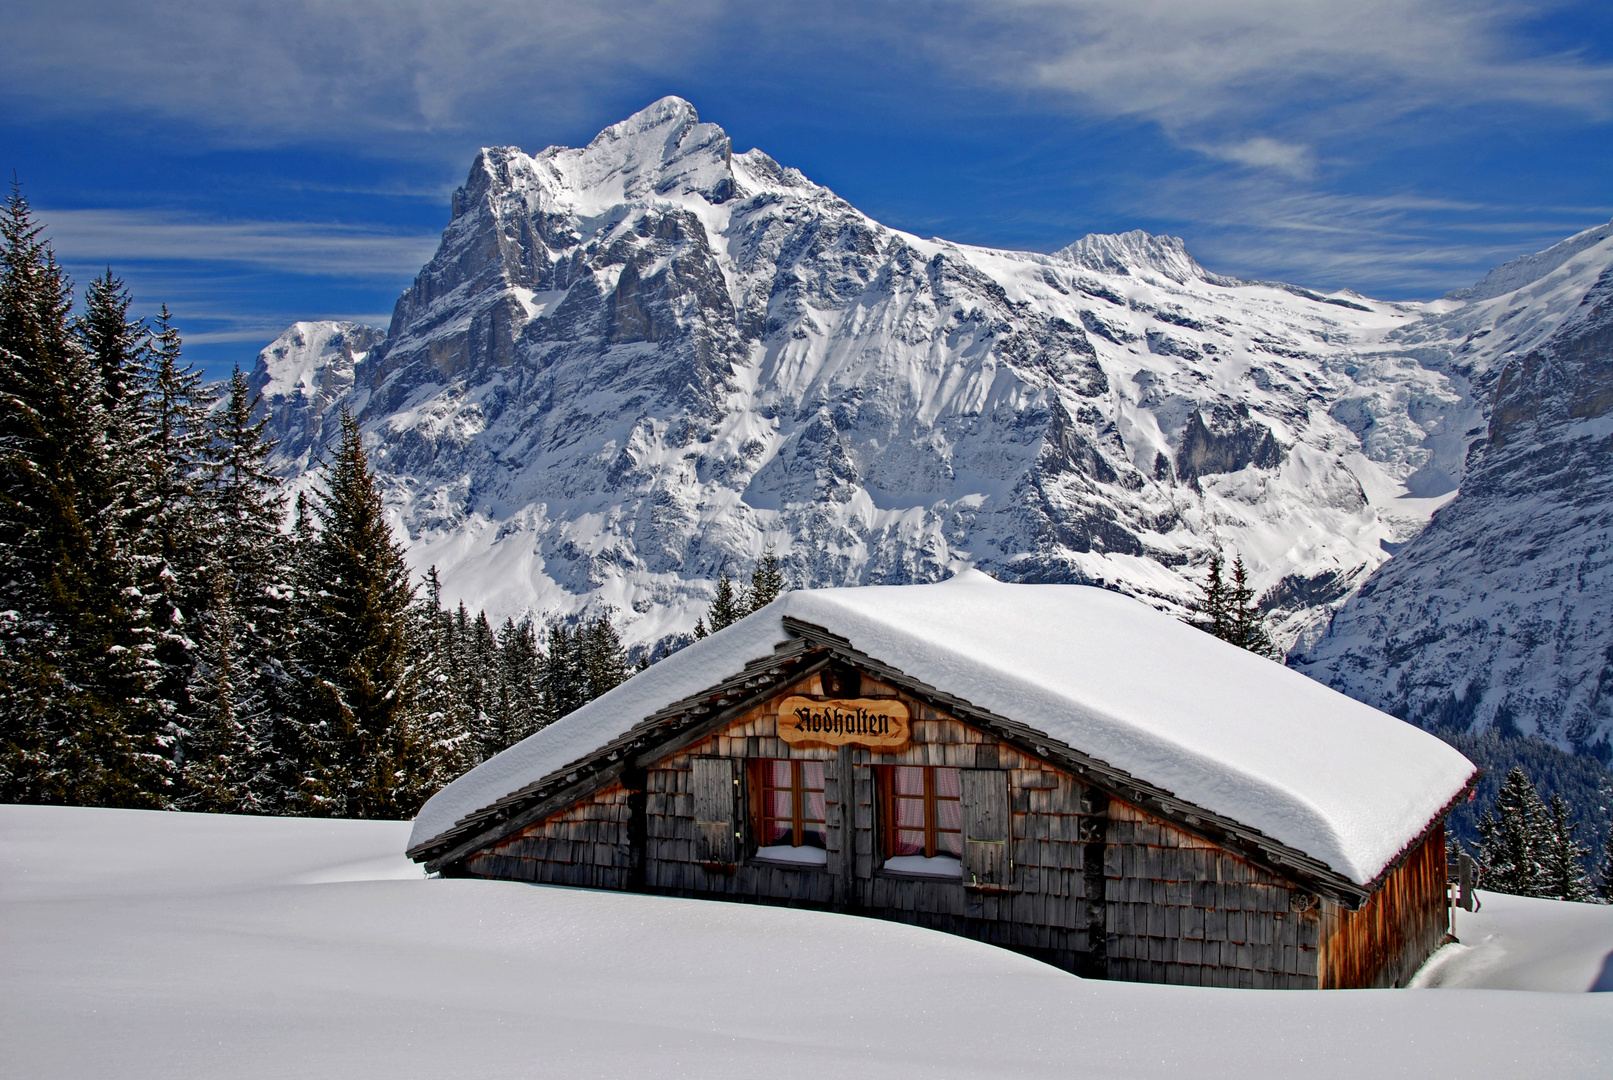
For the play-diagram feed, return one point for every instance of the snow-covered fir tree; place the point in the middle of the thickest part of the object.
(1512, 838)
(727, 606)
(444, 715)
(520, 693)
(354, 656)
(1563, 857)
(171, 536)
(766, 581)
(74, 726)
(604, 659)
(1230, 610)
(221, 751)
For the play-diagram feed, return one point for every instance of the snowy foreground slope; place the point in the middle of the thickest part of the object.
(139, 944)
(632, 365)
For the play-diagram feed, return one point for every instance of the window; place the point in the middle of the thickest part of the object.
(921, 809)
(793, 826)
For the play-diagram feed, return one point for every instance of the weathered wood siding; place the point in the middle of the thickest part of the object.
(586, 844)
(1182, 910)
(1092, 885)
(1390, 937)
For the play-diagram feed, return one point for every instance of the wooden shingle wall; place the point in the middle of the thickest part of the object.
(1052, 907)
(1181, 910)
(586, 844)
(1096, 886)
(1389, 938)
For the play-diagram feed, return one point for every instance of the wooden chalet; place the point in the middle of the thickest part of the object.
(1057, 770)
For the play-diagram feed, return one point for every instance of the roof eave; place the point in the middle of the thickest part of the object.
(681, 722)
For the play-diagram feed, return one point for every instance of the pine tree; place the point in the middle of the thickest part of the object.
(1230, 611)
(604, 659)
(1604, 876)
(726, 607)
(283, 782)
(172, 542)
(766, 582)
(444, 717)
(242, 507)
(1246, 623)
(1513, 837)
(72, 727)
(481, 651)
(564, 673)
(220, 755)
(520, 681)
(355, 651)
(115, 342)
(1563, 857)
(1209, 610)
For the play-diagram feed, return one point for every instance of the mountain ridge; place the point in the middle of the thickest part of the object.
(634, 365)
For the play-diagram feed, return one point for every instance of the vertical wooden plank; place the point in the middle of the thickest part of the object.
(842, 828)
(985, 827)
(716, 802)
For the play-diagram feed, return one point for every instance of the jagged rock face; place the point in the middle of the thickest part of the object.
(304, 376)
(633, 365)
(1499, 611)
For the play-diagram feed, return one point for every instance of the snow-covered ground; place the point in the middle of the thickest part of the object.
(137, 944)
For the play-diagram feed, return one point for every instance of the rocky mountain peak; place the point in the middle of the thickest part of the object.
(1514, 275)
(635, 365)
(1129, 252)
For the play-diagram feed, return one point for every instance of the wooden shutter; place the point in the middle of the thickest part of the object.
(716, 810)
(985, 828)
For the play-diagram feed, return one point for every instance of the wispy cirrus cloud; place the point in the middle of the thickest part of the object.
(320, 249)
(1404, 244)
(361, 69)
(1261, 82)
(1249, 81)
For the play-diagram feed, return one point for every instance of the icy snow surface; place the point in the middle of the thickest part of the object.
(1520, 943)
(1104, 674)
(149, 946)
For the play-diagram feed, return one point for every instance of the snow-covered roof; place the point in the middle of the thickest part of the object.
(1105, 675)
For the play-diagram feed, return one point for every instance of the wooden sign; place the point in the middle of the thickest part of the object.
(874, 722)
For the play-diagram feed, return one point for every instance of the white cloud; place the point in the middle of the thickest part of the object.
(298, 247)
(1261, 152)
(1219, 74)
(1402, 244)
(339, 68)
(1187, 61)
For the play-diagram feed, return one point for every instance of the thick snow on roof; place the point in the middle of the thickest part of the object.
(1224, 729)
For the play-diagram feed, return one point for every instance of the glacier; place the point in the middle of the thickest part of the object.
(636, 365)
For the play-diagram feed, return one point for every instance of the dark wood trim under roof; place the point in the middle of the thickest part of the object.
(692, 719)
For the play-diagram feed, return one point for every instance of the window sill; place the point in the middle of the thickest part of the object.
(785, 858)
(937, 868)
(911, 875)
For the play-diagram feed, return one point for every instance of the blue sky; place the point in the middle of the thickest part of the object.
(252, 164)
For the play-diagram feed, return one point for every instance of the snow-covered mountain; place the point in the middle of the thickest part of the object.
(1501, 611)
(634, 365)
